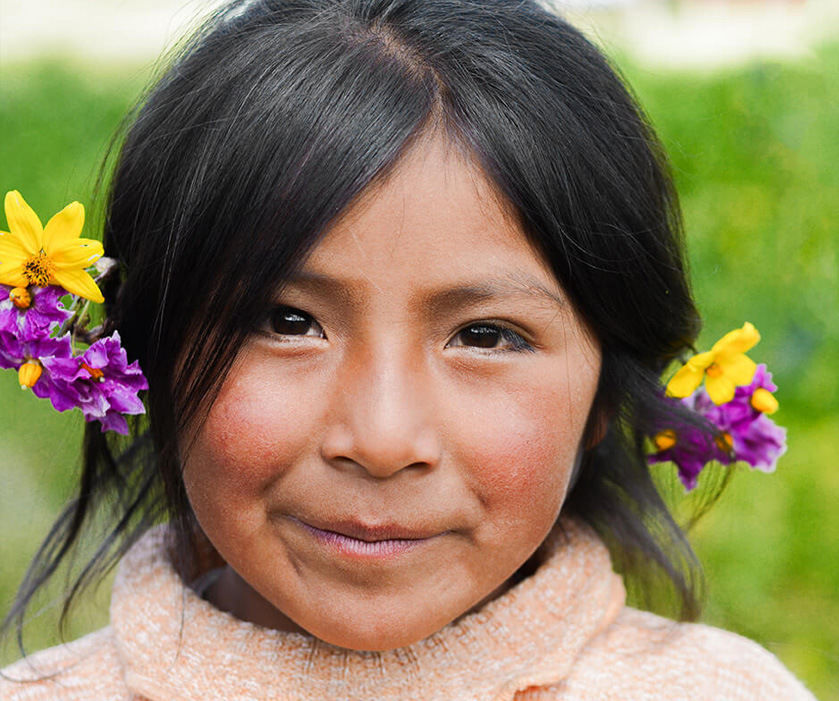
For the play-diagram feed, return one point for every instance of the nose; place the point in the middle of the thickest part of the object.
(382, 415)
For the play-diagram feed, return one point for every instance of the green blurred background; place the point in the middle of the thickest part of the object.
(755, 149)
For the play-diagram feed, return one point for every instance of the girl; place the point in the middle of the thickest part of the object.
(403, 276)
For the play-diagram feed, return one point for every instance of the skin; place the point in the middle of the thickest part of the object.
(392, 410)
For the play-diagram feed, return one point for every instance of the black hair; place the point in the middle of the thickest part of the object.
(275, 117)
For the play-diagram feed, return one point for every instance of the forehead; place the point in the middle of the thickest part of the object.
(435, 217)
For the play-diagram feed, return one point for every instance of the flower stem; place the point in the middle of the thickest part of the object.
(75, 323)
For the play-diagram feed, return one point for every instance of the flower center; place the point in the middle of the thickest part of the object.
(95, 373)
(725, 442)
(29, 373)
(39, 269)
(20, 297)
(665, 439)
(713, 370)
(764, 401)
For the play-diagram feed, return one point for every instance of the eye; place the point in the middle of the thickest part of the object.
(489, 337)
(288, 321)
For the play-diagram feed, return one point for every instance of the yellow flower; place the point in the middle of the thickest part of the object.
(724, 367)
(31, 254)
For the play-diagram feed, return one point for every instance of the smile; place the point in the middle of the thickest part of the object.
(367, 542)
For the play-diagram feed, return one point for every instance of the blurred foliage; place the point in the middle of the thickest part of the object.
(755, 155)
(754, 152)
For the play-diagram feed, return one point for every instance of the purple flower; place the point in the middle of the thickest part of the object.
(14, 352)
(760, 443)
(755, 438)
(100, 382)
(43, 313)
(690, 448)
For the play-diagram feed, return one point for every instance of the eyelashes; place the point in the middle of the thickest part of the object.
(489, 336)
(283, 322)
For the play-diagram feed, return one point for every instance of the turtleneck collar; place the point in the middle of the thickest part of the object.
(175, 645)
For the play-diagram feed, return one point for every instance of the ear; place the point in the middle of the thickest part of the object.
(598, 425)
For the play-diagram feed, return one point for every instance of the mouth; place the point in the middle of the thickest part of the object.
(367, 541)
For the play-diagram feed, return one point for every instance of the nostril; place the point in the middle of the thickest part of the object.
(377, 453)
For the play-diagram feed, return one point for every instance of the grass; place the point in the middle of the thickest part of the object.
(754, 152)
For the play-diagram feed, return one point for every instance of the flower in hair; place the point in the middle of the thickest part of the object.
(738, 429)
(31, 254)
(100, 382)
(38, 335)
(689, 448)
(27, 356)
(754, 437)
(25, 312)
(724, 368)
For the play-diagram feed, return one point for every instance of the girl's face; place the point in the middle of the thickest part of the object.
(397, 439)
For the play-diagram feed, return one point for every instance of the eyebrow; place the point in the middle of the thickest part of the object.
(511, 284)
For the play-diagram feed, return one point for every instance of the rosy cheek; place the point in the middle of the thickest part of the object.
(521, 471)
(521, 466)
(252, 432)
(515, 469)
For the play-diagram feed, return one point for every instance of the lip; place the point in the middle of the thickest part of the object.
(368, 541)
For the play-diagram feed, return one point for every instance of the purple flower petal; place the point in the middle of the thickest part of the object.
(114, 421)
(757, 440)
(9, 350)
(760, 443)
(44, 314)
(101, 383)
(14, 351)
(693, 449)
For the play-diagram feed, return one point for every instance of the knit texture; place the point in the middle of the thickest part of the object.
(563, 633)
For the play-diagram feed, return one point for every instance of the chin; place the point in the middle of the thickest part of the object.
(374, 634)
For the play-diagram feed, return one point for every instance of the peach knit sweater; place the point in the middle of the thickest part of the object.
(563, 633)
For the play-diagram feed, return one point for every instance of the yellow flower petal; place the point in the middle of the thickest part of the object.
(684, 382)
(740, 369)
(737, 341)
(12, 274)
(689, 377)
(64, 228)
(24, 223)
(79, 253)
(701, 361)
(78, 282)
(10, 249)
(720, 388)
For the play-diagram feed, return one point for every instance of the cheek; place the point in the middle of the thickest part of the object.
(525, 465)
(522, 466)
(253, 434)
(523, 443)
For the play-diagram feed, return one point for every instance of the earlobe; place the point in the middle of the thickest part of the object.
(598, 425)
